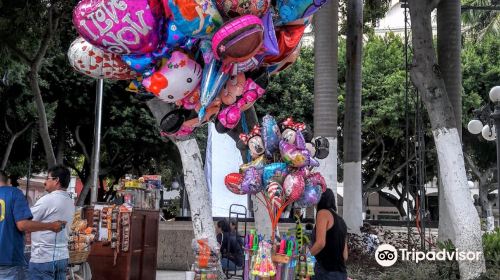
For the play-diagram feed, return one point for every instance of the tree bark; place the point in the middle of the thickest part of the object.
(427, 78)
(325, 87)
(12, 139)
(352, 123)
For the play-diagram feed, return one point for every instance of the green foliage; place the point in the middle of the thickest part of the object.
(491, 246)
(480, 23)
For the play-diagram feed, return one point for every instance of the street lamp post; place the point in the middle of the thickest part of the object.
(495, 98)
(489, 131)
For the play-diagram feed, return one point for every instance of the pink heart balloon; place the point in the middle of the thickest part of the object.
(294, 186)
(119, 26)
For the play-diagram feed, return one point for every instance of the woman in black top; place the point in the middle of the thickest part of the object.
(330, 245)
(231, 251)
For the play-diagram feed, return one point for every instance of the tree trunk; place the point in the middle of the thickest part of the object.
(325, 86)
(426, 77)
(194, 181)
(42, 118)
(352, 124)
(8, 149)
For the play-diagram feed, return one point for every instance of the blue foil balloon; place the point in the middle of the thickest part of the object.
(212, 82)
(277, 169)
(290, 10)
(310, 196)
(270, 134)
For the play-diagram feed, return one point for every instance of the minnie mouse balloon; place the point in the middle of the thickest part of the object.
(195, 18)
(119, 26)
(233, 89)
(236, 8)
(176, 79)
(96, 63)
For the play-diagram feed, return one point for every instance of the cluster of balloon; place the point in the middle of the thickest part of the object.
(282, 168)
(210, 58)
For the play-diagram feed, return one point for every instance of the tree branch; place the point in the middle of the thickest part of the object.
(473, 166)
(7, 127)
(80, 142)
(47, 37)
(379, 142)
(370, 184)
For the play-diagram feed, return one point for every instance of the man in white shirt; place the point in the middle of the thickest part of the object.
(49, 250)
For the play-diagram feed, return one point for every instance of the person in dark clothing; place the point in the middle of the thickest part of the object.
(231, 251)
(330, 241)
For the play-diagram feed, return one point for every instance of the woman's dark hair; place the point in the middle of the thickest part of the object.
(224, 226)
(327, 201)
(62, 173)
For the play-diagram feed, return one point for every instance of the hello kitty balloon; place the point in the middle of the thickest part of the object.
(176, 79)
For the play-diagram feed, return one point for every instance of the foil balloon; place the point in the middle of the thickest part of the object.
(296, 155)
(233, 182)
(294, 186)
(238, 39)
(121, 27)
(174, 37)
(248, 65)
(285, 63)
(252, 141)
(96, 63)
(233, 89)
(214, 78)
(270, 43)
(257, 163)
(310, 196)
(276, 171)
(289, 37)
(191, 100)
(271, 135)
(230, 116)
(236, 8)
(141, 63)
(252, 181)
(176, 79)
(290, 10)
(316, 179)
(195, 18)
(275, 193)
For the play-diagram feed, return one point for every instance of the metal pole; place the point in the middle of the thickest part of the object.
(29, 165)
(407, 133)
(496, 116)
(97, 141)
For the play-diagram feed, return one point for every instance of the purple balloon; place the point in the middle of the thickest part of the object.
(121, 27)
(295, 156)
(310, 196)
(252, 181)
(270, 42)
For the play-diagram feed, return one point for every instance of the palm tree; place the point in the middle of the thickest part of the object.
(325, 85)
(479, 23)
(352, 207)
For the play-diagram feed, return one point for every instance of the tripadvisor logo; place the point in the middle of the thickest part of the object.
(387, 255)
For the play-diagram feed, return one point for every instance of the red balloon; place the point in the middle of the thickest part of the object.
(233, 182)
(159, 80)
(154, 89)
(289, 37)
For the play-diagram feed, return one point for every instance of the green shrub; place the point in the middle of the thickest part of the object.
(491, 246)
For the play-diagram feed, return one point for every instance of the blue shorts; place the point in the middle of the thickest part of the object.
(321, 274)
(13, 272)
(48, 271)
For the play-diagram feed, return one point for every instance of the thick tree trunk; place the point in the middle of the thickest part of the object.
(325, 86)
(352, 124)
(427, 78)
(42, 118)
(194, 180)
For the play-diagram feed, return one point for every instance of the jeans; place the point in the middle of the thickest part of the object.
(48, 271)
(12, 272)
(321, 274)
(227, 265)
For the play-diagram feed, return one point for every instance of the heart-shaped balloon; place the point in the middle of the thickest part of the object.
(316, 179)
(176, 79)
(233, 182)
(119, 26)
(96, 63)
(294, 186)
(275, 193)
